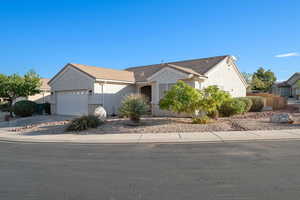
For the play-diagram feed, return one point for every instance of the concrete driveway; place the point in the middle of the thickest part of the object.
(223, 171)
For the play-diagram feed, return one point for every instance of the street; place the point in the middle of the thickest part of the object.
(256, 170)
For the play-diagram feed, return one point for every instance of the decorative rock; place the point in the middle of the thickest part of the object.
(281, 118)
(100, 112)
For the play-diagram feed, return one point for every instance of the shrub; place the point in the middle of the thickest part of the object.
(201, 120)
(24, 108)
(181, 98)
(134, 106)
(84, 123)
(4, 107)
(248, 103)
(257, 103)
(213, 114)
(47, 107)
(232, 107)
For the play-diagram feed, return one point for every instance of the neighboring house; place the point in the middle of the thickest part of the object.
(42, 97)
(78, 89)
(288, 88)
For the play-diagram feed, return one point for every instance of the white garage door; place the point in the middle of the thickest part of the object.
(72, 103)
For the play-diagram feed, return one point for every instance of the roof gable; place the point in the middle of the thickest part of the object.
(198, 66)
(99, 73)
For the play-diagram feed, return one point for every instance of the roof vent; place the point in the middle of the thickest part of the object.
(142, 74)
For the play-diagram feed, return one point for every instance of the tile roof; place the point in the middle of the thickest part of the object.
(105, 73)
(199, 66)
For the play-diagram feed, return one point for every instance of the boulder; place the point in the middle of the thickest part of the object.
(281, 118)
(100, 112)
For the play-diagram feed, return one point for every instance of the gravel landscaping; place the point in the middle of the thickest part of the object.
(43, 125)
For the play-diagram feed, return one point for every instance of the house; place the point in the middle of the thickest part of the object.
(288, 88)
(78, 89)
(43, 96)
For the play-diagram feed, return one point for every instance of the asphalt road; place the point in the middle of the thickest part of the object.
(264, 170)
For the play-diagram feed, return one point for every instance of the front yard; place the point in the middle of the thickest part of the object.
(44, 125)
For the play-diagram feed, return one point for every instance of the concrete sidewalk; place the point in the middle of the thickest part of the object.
(228, 136)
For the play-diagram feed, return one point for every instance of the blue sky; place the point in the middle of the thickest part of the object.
(45, 35)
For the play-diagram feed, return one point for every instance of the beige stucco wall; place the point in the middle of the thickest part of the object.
(110, 95)
(72, 79)
(167, 75)
(227, 78)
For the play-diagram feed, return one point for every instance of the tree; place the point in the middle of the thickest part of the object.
(14, 86)
(263, 80)
(247, 77)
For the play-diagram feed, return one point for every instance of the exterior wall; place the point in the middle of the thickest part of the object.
(165, 76)
(72, 79)
(226, 76)
(110, 95)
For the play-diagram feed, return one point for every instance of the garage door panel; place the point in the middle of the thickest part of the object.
(72, 103)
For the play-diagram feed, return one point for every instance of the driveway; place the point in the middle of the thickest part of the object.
(252, 171)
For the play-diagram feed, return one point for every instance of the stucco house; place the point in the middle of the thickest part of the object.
(78, 89)
(288, 88)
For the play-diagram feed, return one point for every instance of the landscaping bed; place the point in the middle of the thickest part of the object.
(249, 121)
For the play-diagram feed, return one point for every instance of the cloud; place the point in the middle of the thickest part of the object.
(287, 55)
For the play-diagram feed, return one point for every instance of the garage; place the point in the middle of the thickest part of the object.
(72, 103)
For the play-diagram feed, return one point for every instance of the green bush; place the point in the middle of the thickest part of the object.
(201, 120)
(181, 98)
(134, 106)
(248, 103)
(24, 108)
(257, 103)
(47, 107)
(213, 114)
(84, 123)
(232, 107)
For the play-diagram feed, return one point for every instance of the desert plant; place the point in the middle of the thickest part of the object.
(248, 103)
(257, 103)
(24, 108)
(134, 106)
(83, 123)
(201, 120)
(232, 107)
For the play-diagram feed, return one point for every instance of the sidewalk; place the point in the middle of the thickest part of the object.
(228, 136)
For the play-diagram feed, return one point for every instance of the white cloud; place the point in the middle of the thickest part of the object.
(287, 55)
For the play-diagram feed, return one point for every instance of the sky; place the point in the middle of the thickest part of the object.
(46, 35)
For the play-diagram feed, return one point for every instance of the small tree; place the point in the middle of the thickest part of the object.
(14, 86)
(181, 98)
